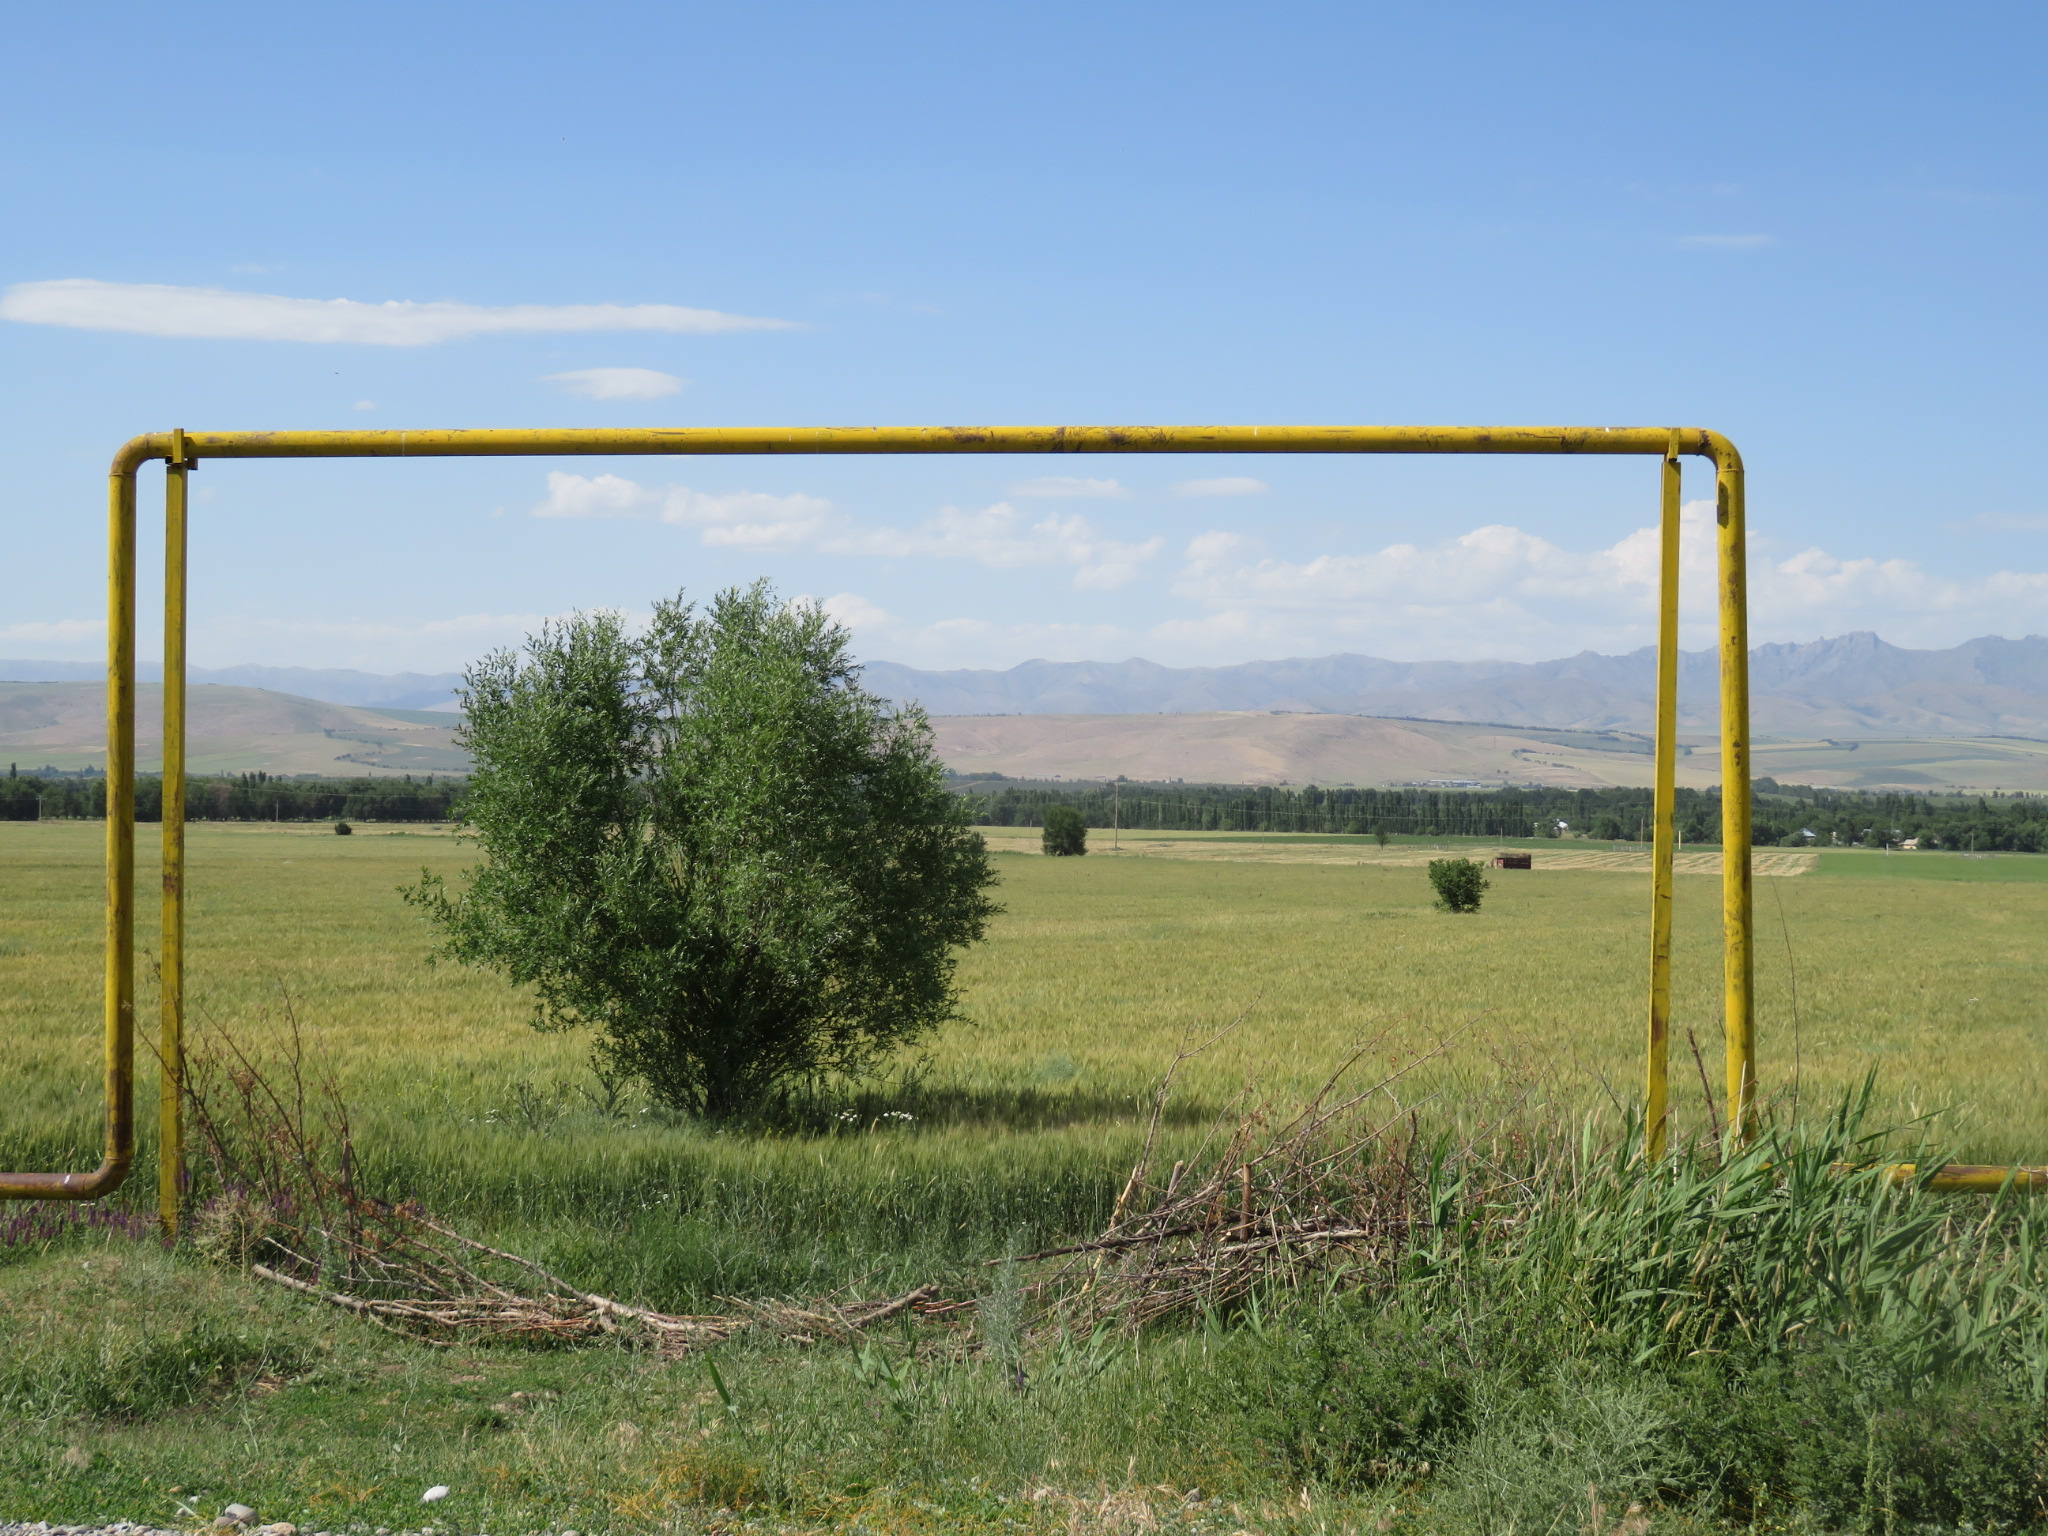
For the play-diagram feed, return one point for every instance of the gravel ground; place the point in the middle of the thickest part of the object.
(130, 1528)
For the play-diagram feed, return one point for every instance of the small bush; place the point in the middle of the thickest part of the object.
(1587, 1448)
(1827, 1432)
(342, 829)
(1458, 882)
(1066, 832)
(1350, 1398)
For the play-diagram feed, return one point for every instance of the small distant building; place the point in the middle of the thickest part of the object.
(1514, 861)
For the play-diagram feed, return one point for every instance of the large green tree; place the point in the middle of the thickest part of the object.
(710, 844)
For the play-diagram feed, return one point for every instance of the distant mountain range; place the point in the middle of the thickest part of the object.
(1854, 685)
(337, 685)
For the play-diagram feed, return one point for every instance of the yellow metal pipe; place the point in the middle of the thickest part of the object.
(170, 1168)
(1657, 1058)
(571, 441)
(184, 448)
(1738, 952)
(1972, 1178)
(119, 990)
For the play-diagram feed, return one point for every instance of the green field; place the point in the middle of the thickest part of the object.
(1024, 1119)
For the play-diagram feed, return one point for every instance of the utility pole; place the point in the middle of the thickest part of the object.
(1116, 817)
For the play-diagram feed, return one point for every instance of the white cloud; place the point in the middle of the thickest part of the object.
(157, 309)
(749, 519)
(596, 496)
(56, 639)
(856, 612)
(1002, 536)
(374, 645)
(366, 405)
(1501, 592)
(1071, 487)
(618, 383)
(1225, 485)
(2013, 522)
(968, 642)
(1726, 242)
(735, 519)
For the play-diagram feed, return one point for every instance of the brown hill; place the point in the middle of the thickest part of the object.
(232, 730)
(1242, 748)
(239, 730)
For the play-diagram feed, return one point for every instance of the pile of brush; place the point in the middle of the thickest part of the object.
(1335, 1190)
(287, 1209)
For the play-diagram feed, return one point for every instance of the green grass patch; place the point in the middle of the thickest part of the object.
(1934, 864)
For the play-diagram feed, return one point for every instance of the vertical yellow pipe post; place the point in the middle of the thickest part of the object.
(1739, 1002)
(170, 1168)
(1657, 1092)
(120, 848)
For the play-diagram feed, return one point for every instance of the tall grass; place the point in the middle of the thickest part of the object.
(1567, 1339)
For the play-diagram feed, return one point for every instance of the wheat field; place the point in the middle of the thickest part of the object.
(1097, 972)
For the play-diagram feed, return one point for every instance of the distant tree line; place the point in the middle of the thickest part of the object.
(1781, 815)
(49, 794)
(1998, 823)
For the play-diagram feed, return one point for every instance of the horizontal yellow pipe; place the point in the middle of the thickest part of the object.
(1971, 1178)
(845, 440)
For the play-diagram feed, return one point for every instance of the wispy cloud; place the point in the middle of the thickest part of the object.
(596, 496)
(1002, 536)
(1071, 487)
(1726, 242)
(969, 642)
(375, 645)
(54, 637)
(749, 519)
(156, 309)
(618, 383)
(2013, 522)
(1224, 485)
(737, 519)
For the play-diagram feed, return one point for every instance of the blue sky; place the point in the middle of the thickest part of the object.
(1816, 227)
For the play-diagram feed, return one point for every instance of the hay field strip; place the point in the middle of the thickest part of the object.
(1287, 848)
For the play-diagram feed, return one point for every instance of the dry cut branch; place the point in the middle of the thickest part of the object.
(288, 1208)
